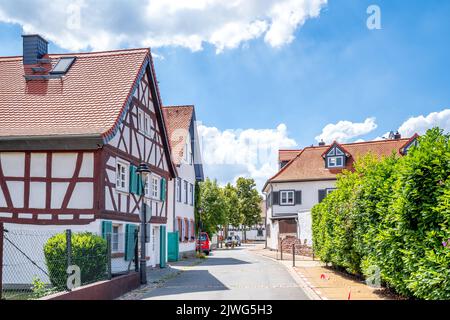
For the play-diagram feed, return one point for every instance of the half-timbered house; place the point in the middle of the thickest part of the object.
(73, 129)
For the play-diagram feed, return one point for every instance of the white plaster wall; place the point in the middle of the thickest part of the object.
(37, 195)
(38, 165)
(13, 164)
(310, 197)
(63, 165)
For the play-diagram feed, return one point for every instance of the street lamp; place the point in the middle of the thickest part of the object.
(143, 170)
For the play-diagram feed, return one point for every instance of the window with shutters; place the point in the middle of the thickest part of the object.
(191, 194)
(122, 175)
(287, 197)
(186, 231)
(178, 190)
(185, 192)
(179, 229)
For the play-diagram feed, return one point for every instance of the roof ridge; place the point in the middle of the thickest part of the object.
(180, 106)
(100, 53)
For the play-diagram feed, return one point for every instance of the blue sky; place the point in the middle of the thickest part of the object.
(335, 69)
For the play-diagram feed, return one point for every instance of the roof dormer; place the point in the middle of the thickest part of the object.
(335, 156)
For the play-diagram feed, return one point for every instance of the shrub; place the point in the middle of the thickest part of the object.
(89, 252)
(392, 214)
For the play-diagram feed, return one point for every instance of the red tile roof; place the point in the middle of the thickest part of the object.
(310, 165)
(178, 120)
(88, 100)
(287, 155)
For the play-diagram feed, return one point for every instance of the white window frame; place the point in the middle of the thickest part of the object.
(155, 186)
(141, 116)
(126, 180)
(334, 164)
(285, 201)
(147, 125)
(115, 239)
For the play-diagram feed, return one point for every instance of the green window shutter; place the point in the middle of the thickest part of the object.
(163, 189)
(129, 241)
(133, 179)
(106, 228)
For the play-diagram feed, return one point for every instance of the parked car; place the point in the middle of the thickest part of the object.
(204, 243)
(233, 241)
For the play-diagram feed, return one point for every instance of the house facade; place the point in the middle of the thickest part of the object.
(75, 127)
(184, 143)
(307, 176)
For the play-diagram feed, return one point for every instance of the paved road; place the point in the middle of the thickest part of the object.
(231, 274)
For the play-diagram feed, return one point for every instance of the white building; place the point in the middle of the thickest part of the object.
(184, 143)
(307, 176)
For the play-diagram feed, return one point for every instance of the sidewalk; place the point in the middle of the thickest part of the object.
(326, 283)
(156, 277)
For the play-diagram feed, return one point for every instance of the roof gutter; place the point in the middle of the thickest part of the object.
(51, 142)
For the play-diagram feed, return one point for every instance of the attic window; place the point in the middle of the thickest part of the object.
(335, 158)
(63, 65)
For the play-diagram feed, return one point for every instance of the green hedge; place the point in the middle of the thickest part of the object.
(392, 214)
(89, 252)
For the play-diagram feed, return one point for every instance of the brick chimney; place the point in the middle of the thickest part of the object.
(34, 48)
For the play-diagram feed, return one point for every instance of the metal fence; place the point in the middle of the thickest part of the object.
(37, 263)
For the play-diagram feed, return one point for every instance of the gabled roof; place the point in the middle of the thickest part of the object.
(336, 144)
(87, 100)
(287, 155)
(309, 164)
(178, 120)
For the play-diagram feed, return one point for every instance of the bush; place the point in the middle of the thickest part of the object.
(392, 214)
(89, 252)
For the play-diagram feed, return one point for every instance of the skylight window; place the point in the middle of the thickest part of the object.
(63, 65)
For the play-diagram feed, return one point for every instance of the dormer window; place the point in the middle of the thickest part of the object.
(335, 162)
(335, 158)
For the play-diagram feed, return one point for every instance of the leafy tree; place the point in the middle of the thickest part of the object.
(211, 201)
(249, 202)
(233, 215)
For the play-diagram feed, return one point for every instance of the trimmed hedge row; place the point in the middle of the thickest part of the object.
(392, 214)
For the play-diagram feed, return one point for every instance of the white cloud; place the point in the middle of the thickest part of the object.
(252, 153)
(101, 25)
(422, 123)
(345, 131)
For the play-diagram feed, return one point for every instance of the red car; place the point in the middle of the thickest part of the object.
(203, 243)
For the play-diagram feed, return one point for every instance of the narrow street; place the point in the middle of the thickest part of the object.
(235, 273)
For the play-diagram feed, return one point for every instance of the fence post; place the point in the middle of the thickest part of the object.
(281, 250)
(136, 250)
(1, 259)
(109, 251)
(293, 254)
(69, 249)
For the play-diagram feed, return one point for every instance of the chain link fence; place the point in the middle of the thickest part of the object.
(37, 263)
